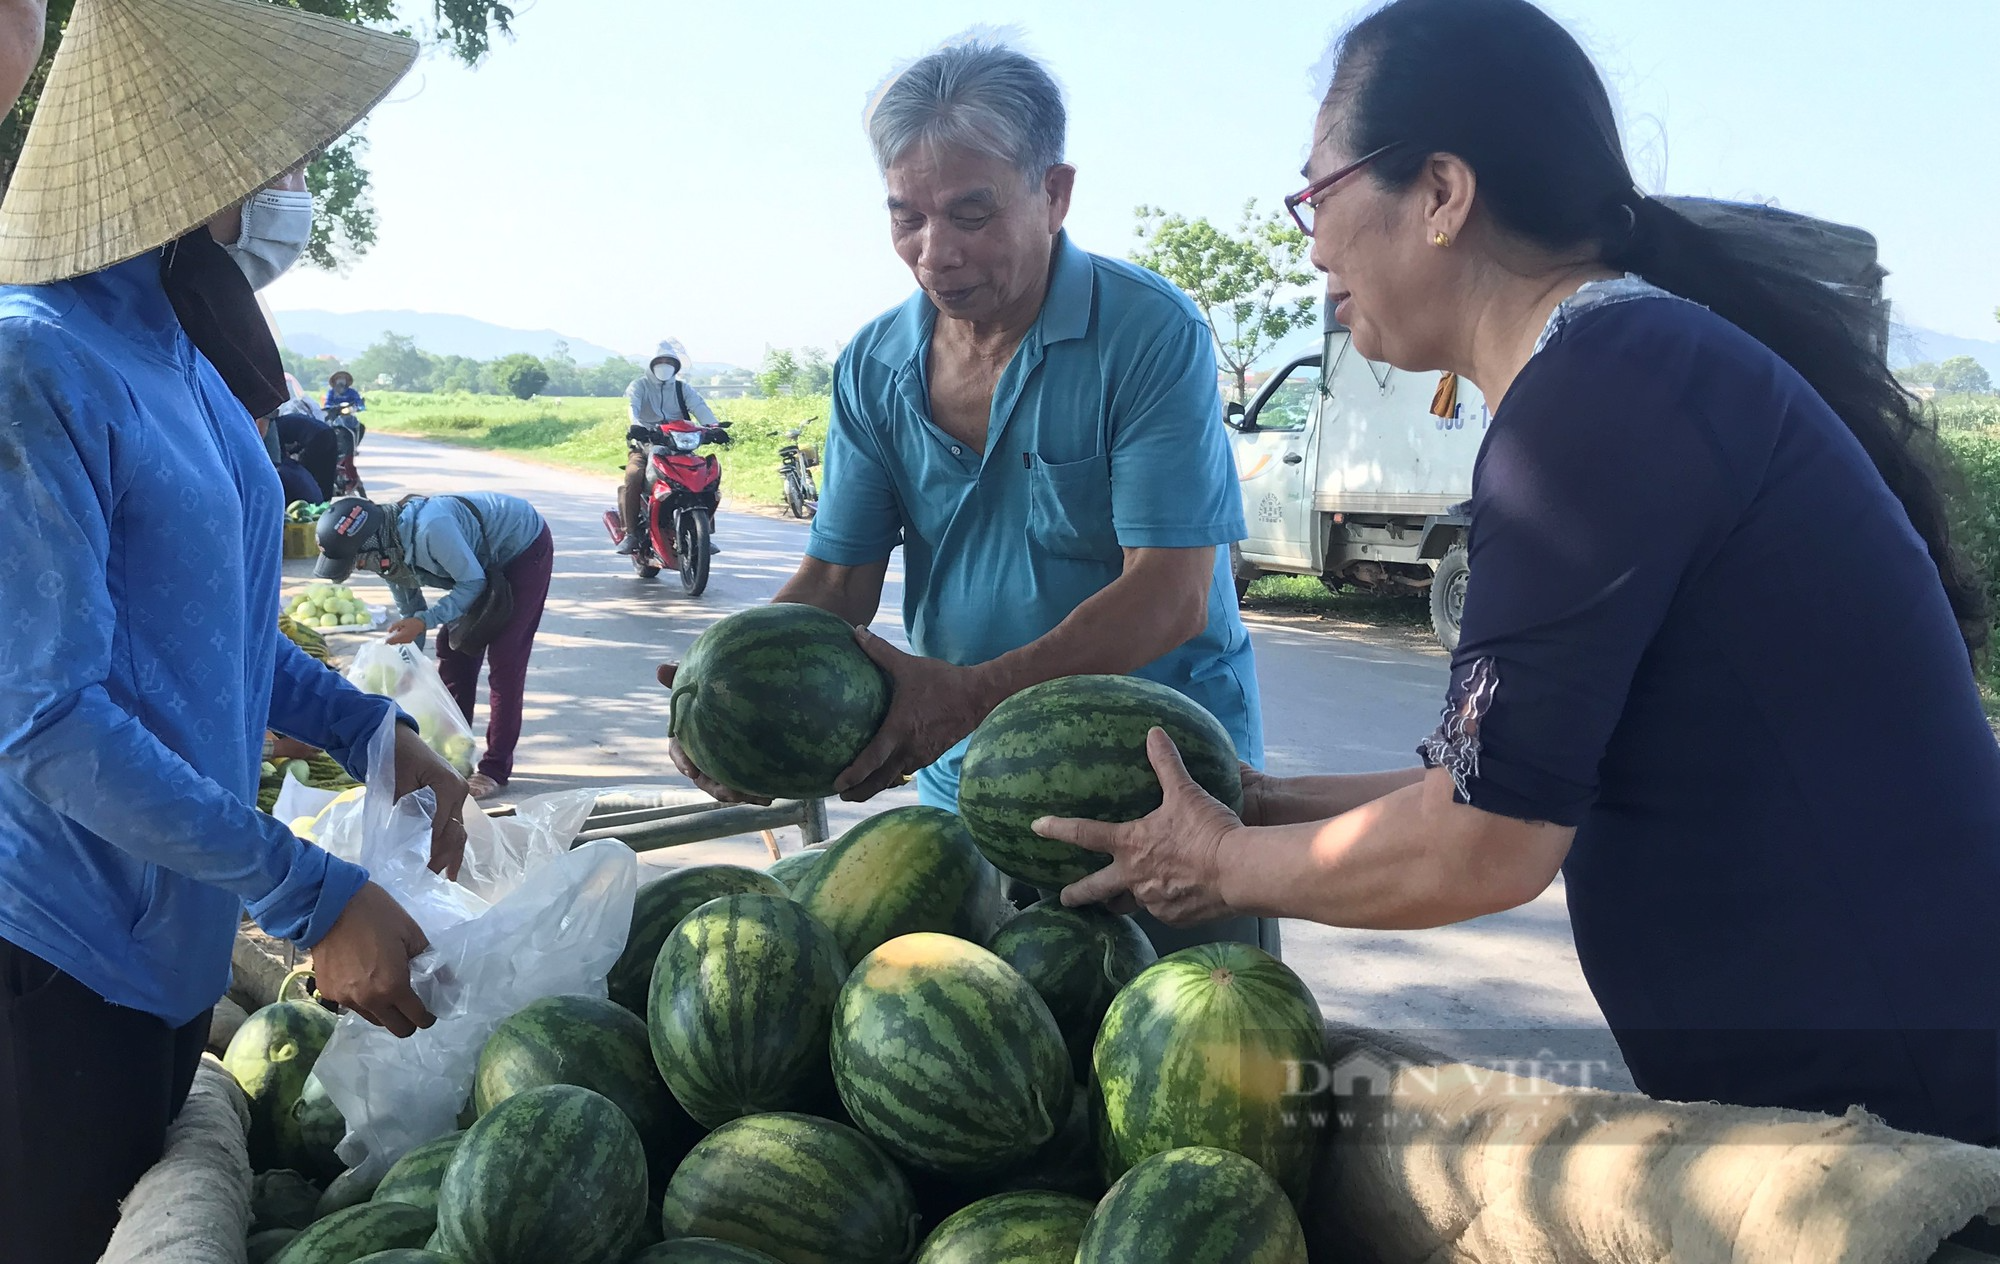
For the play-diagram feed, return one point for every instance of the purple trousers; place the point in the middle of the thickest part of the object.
(506, 658)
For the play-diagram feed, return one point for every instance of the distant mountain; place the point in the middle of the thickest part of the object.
(1911, 345)
(348, 334)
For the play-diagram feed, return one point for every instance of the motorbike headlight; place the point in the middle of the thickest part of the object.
(684, 440)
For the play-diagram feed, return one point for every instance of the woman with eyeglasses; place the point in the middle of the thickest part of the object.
(1715, 667)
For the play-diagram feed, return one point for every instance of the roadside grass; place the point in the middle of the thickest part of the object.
(1304, 594)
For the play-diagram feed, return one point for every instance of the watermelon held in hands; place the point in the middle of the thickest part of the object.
(349, 1235)
(742, 1002)
(944, 1055)
(1077, 959)
(792, 870)
(553, 1173)
(1196, 1205)
(414, 1178)
(660, 906)
(776, 701)
(1031, 1227)
(1207, 1048)
(799, 1188)
(907, 870)
(1076, 747)
(271, 1056)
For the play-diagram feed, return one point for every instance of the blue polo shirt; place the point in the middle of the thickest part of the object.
(1106, 435)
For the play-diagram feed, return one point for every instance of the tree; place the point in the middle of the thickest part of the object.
(397, 358)
(520, 375)
(1922, 373)
(1246, 284)
(565, 378)
(1962, 375)
(609, 379)
(780, 375)
(344, 225)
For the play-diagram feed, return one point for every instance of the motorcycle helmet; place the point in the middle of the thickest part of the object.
(349, 525)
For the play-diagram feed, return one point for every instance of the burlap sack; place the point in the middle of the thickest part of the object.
(1458, 1164)
(193, 1207)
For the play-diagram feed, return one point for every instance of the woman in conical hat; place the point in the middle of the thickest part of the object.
(141, 665)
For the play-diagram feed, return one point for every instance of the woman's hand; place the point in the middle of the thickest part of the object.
(405, 631)
(1171, 861)
(363, 962)
(417, 766)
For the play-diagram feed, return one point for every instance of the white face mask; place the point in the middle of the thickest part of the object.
(663, 371)
(277, 224)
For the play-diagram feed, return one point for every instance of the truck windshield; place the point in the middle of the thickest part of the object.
(1290, 403)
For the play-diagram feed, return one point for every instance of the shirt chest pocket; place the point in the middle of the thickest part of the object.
(1069, 508)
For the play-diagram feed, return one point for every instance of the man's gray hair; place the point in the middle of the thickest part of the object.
(977, 95)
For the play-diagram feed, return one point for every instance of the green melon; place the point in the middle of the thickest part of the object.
(660, 906)
(347, 1236)
(944, 1055)
(1207, 1048)
(803, 1190)
(1068, 1164)
(1077, 959)
(1197, 1205)
(742, 1002)
(701, 1251)
(1076, 747)
(776, 701)
(1030, 1227)
(792, 870)
(349, 1189)
(553, 1173)
(316, 1128)
(910, 869)
(271, 1055)
(414, 1178)
(593, 1044)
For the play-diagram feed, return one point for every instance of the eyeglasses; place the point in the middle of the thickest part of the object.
(1301, 205)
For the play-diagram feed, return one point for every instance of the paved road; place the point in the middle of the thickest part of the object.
(1334, 702)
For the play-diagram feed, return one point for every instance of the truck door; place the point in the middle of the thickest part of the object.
(1274, 459)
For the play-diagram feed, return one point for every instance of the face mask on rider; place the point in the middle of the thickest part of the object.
(663, 371)
(277, 224)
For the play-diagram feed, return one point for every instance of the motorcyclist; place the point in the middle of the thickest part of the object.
(340, 390)
(660, 396)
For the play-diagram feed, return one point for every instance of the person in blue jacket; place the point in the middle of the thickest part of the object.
(139, 584)
(340, 390)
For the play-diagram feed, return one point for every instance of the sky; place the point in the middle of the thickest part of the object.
(630, 170)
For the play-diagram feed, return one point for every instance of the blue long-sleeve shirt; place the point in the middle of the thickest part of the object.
(140, 663)
(335, 399)
(446, 548)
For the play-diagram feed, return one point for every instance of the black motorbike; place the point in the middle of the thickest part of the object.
(348, 432)
(796, 464)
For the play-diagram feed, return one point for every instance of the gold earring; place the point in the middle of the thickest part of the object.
(1442, 239)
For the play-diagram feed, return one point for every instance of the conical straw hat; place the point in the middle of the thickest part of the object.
(160, 114)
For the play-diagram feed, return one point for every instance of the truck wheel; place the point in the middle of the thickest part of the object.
(1245, 573)
(1448, 596)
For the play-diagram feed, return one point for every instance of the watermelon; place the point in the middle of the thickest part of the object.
(271, 1055)
(1076, 747)
(910, 869)
(947, 1057)
(404, 1255)
(263, 1245)
(701, 1251)
(552, 1173)
(743, 1000)
(1077, 959)
(660, 906)
(1202, 1050)
(347, 1236)
(592, 1044)
(792, 870)
(1032, 1227)
(776, 701)
(349, 1189)
(798, 1188)
(1068, 1164)
(315, 1129)
(414, 1178)
(283, 1199)
(1196, 1205)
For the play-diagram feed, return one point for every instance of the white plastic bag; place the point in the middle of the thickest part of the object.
(406, 676)
(528, 918)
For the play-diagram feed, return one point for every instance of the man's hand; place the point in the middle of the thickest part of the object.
(406, 631)
(1171, 861)
(933, 705)
(417, 765)
(363, 963)
(715, 789)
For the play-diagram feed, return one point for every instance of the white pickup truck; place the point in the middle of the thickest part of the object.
(1348, 474)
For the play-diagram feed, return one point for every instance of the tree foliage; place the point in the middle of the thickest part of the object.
(808, 371)
(1962, 375)
(520, 375)
(1247, 284)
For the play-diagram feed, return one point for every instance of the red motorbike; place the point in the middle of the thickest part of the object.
(683, 492)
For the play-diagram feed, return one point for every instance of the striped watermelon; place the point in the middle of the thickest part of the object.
(271, 1055)
(593, 1044)
(777, 700)
(1078, 959)
(1068, 1164)
(346, 1236)
(910, 869)
(553, 1173)
(701, 1251)
(315, 1128)
(803, 1190)
(659, 907)
(1021, 1228)
(947, 1057)
(742, 1002)
(1196, 1205)
(1201, 1050)
(414, 1178)
(1076, 747)
(792, 870)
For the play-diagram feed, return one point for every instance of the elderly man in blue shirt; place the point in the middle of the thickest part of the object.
(1038, 427)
